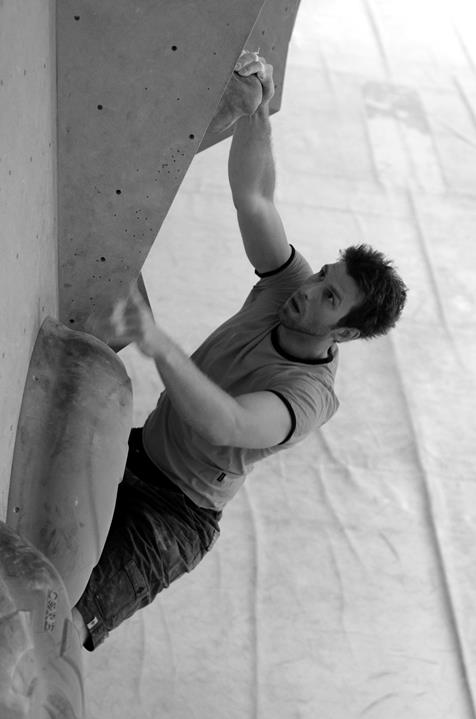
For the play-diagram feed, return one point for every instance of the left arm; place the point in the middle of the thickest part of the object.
(255, 420)
(252, 177)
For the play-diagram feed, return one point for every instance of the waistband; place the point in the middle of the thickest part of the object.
(145, 470)
(139, 463)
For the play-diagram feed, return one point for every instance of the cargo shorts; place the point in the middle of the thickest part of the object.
(156, 535)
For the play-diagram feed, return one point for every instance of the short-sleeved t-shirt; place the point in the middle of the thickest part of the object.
(241, 356)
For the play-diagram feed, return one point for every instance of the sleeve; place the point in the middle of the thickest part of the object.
(278, 270)
(275, 286)
(310, 404)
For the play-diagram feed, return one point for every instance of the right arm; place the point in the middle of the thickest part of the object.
(252, 178)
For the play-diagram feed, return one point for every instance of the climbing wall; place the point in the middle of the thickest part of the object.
(270, 37)
(28, 255)
(138, 84)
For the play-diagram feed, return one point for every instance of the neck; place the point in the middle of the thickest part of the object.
(304, 346)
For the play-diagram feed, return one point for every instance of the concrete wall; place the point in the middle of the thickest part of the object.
(138, 84)
(28, 254)
(270, 35)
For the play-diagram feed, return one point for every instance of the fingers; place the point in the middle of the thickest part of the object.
(127, 315)
(118, 320)
(246, 57)
(132, 321)
(251, 63)
(254, 67)
(129, 321)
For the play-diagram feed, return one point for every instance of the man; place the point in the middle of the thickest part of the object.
(260, 383)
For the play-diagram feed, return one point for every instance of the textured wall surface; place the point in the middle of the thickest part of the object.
(28, 256)
(270, 37)
(138, 84)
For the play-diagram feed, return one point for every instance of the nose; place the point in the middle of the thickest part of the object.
(310, 292)
(312, 295)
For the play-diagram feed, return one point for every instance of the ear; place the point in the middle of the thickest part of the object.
(345, 334)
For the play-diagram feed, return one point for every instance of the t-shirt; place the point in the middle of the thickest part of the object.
(241, 356)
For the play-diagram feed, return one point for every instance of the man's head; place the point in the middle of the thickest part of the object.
(360, 295)
(382, 290)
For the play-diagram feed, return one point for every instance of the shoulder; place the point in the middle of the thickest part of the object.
(296, 266)
(278, 284)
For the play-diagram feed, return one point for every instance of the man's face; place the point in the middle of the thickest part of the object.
(321, 301)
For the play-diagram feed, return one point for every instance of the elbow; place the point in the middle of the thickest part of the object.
(223, 434)
(243, 200)
(219, 437)
(252, 203)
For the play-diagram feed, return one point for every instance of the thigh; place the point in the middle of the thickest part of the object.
(156, 536)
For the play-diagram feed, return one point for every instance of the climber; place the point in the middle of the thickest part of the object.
(260, 383)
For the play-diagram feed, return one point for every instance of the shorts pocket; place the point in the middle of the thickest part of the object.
(136, 579)
(127, 592)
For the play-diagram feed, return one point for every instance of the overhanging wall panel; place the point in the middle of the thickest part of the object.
(138, 84)
(270, 36)
(28, 256)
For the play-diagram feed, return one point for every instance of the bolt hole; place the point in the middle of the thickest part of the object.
(100, 107)
(118, 192)
(174, 48)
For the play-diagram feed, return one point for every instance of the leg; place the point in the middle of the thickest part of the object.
(157, 534)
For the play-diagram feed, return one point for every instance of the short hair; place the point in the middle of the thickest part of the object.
(384, 291)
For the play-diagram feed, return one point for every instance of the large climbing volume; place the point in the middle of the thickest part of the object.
(40, 652)
(70, 450)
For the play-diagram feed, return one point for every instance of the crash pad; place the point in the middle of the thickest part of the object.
(41, 674)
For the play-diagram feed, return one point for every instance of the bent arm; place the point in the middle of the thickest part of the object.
(255, 420)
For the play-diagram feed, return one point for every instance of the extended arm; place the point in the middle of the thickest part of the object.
(252, 178)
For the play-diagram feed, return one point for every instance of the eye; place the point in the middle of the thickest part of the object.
(330, 296)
